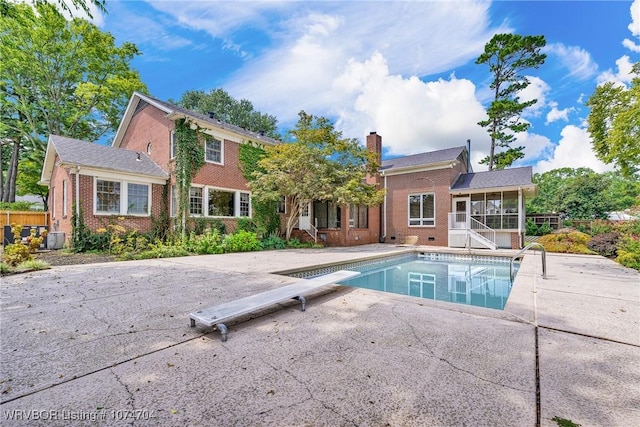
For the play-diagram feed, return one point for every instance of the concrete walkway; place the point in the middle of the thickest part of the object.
(110, 344)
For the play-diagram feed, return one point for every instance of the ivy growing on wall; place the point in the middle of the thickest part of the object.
(189, 159)
(266, 218)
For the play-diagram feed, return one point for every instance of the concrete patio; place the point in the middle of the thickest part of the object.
(110, 344)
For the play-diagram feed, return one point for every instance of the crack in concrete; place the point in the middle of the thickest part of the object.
(130, 400)
(430, 353)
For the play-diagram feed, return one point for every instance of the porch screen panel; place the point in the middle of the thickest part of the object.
(107, 196)
(510, 209)
(494, 210)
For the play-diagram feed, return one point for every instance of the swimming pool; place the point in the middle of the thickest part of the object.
(481, 281)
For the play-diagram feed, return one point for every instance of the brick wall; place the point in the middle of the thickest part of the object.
(398, 189)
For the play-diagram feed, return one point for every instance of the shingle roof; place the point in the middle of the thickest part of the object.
(449, 154)
(88, 154)
(516, 177)
(205, 118)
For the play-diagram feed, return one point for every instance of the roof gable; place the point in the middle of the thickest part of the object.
(75, 152)
(174, 112)
(423, 159)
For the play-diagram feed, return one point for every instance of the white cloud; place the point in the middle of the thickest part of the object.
(574, 151)
(537, 89)
(577, 60)
(555, 114)
(634, 26)
(412, 116)
(622, 77)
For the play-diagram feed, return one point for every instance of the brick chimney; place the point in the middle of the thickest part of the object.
(374, 143)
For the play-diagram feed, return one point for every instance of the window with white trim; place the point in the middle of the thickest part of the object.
(195, 201)
(174, 201)
(107, 196)
(172, 145)
(221, 203)
(245, 204)
(281, 207)
(64, 198)
(137, 199)
(213, 150)
(121, 197)
(422, 209)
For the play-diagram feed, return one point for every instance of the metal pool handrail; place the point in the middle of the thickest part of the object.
(529, 246)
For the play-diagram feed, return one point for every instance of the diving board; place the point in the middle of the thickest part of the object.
(217, 314)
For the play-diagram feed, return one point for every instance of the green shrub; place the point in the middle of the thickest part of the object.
(273, 242)
(600, 226)
(566, 241)
(605, 244)
(16, 206)
(545, 229)
(530, 227)
(629, 252)
(16, 253)
(33, 264)
(210, 242)
(241, 241)
(246, 224)
(160, 250)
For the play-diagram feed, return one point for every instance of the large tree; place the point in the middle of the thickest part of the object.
(614, 123)
(230, 110)
(57, 76)
(508, 56)
(319, 165)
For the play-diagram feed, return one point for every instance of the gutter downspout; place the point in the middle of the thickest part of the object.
(384, 210)
(77, 198)
(520, 217)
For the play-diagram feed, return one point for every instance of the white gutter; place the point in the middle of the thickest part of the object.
(77, 197)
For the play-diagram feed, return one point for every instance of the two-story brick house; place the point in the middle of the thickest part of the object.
(127, 179)
(434, 197)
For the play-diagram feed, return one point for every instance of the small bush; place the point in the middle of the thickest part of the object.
(246, 224)
(605, 244)
(600, 227)
(161, 250)
(629, 252)
(210, 242)
(566, 241)
(241, 241)
(33, 264)
(16, 253)
(530, 227)
(545, 229)
(273, 242)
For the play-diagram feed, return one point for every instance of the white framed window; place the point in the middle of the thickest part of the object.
(245, 204)
(52, 202)
(195, 201)
(64, 197)
(281, 208)
(121, 198)
(174, 201)
(213, 150)
(422, 209)
(137, 199)
(107, 196)
(221, 202)
(172, 145)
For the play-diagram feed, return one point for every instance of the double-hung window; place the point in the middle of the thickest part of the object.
(172, 145)
(422, 209)
(121, 198)
(107, 196)
(213, 150)
(358, 216)
(221, 203)
(195, 201)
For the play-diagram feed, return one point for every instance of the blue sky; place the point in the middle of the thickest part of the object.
(403, 69)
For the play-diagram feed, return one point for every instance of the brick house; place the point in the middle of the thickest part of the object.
(431, 198)
(127, 179)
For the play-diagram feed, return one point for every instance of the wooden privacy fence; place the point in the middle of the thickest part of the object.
(25, 218)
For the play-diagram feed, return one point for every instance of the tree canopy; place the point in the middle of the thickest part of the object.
(230, 110)
(319, 165)
(57, 76)
(582, 193)
(508, 56)
(614, 123)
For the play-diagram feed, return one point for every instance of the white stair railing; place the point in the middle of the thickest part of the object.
(486, 232)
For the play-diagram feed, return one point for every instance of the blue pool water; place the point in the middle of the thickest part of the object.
(471, 280)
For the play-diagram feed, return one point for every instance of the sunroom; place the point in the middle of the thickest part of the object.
(488, 209)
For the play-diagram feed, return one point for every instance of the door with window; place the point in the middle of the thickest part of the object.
(304, 222)
(462, 212)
